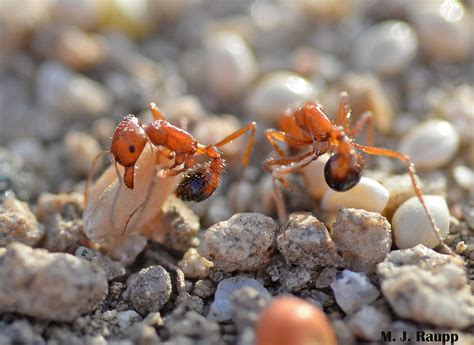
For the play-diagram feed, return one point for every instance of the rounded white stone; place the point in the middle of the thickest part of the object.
(230, 65)
(314, 179)
(411, 225)
(444, 29)
(276, 92)
(431, 144)
(368, 194)
(386, 48)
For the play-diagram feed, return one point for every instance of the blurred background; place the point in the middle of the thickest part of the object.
(70, 69)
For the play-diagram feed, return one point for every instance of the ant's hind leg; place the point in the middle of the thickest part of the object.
(273, 135)
(412, 173)
(249, 127)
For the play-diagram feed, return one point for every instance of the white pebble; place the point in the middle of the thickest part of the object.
(230, 65)
(386, 48)
(444, 29)
(314, 179)
(431, 144)
(276, 92)
(368, 194)
(353, 290)
(411, 225)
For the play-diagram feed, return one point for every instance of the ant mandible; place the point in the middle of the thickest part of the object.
(309, 126)
(199, 180)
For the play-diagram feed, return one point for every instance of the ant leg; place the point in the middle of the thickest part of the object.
(249, 127)
(277, 174)
(273, 135)
(365, 120)
(411, 171)
(157, 115)
(344, 112)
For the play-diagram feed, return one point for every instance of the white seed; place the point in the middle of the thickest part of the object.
(368, 194)
(276, 92)
(411, 225)
(230, 65)
(386, 48)
(314, 179)
(444, 29)
(431, 144)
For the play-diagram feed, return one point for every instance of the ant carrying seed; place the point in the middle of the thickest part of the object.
(199, 180)
(309, 127)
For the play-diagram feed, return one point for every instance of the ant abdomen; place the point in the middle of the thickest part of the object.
(342, 174)
(197, 184)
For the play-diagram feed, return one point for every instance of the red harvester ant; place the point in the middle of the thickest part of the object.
(199, 180)
(309, 126)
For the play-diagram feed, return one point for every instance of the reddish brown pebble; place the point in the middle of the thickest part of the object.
(290, 320)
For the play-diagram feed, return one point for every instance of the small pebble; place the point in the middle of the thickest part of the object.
(290, 320)
(51, 286)
(127, 318)
(297, 279)
(277, 91)
(305, 242)
(464, 177)
(368, 323)
(178, 225)
(221, 307)
(417, 282)
(326, 277)
(431, 144)
(246, 305)
(71, 94)
(353, 291)
(80, 149)
(363, 238)
(229, 65)
(244, 242)
(411, 225)
(368, 194)
(444, 29)
(113, 269)
(313, 175)
(387, 48)
(18, 224)
(149, 290)
(457, 106)
(204, 288)
(195, 266)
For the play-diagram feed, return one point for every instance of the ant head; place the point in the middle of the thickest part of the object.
(343, 172)
(128, 141)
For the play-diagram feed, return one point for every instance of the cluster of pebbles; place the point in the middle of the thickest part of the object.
(365, 261)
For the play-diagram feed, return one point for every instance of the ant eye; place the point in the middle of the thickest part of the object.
(341, 175)
(131, 148)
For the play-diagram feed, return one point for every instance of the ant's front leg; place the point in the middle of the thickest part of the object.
(157, 115)
(365, 120)
(249, 127)
(273, 135)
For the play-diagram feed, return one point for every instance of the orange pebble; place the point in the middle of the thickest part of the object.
(292, 321)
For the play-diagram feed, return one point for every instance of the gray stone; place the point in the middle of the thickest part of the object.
(246, 305)
(368, 323)
(113, 269)
(363, 238)
(18, 224)
(353, 290)
(149, 290)
(221, 308)
(243, 242)
(419, 283)
(53, 286)
(305, 242)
